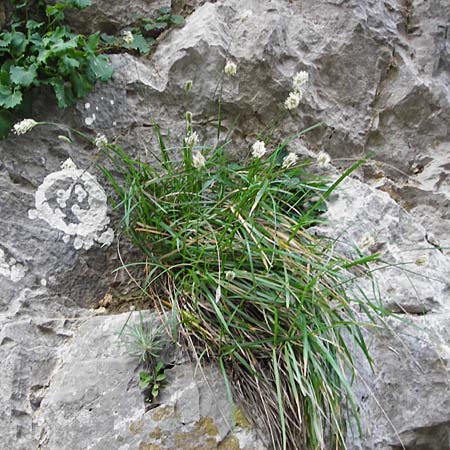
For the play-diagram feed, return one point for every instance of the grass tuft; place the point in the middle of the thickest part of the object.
(229, 250)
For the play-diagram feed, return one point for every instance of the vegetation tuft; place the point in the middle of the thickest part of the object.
(38, 48)
(230, 253)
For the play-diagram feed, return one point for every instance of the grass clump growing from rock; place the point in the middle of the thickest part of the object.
(228, 251)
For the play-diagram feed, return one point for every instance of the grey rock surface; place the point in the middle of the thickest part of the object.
(93, 401)
(379, 81)
(109, 17)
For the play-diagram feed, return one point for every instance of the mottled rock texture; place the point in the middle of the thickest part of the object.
(379, 82)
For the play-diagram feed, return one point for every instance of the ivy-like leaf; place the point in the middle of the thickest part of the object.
(10, 99)
(23, 76)
(92, 43)
(64, 94)
(62, 46)
(18, 42)
(55, 11)
(177, 20)
(5, 79)
(101, 67)
(5, 39)
(68, 64)
(33, 25)
(108, 39)
(140, 44)
(80, 84)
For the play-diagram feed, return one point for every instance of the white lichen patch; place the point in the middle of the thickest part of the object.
(72, 201)
(11, 268)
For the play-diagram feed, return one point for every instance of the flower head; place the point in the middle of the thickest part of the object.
(259, 149)
(127, 37)
(293, 100)
(100, 141)
(300, 78)
(230, 68)
(24, 126)
(289, 160)
(198, 160)
(323, 159)
(191, 139)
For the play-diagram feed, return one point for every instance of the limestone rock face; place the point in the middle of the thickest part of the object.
(102, 407)
(110, 17)
(379, 77)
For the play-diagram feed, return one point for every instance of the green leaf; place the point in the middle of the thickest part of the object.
(5, 79)
(68, 64)
(9, 99)
(62, 46)
(18, 43)
(23, 76)
(161, 377)
(155, 391)
(108, 39)
(140, 44)
(5, 39)
(101, 67)
(144, 380)
(55, 11)
(177, 20)
(150, 26)
(33, 25)
(80, 84)
(92, 42)
(63, 92)
(165, 10)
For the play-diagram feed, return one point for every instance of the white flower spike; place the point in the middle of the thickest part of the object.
(293, 100)
(323, 160)
(300, 78)
(101, 141)
(290, 160)
(230, 69)
(191, 139)
(198, 160)
(259, 149)
(24, 126)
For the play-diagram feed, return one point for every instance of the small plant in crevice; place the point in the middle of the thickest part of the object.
(146, 341)
(143, 339)
(141, 35)
(152, 381)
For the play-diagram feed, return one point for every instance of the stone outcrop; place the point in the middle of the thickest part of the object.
(379, 82)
